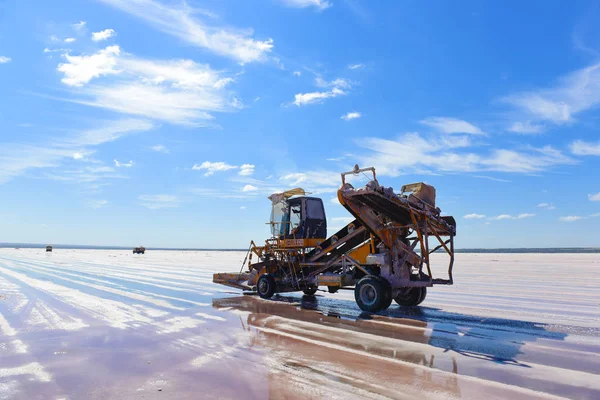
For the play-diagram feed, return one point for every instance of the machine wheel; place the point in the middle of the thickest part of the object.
(266, 286)
(333, 289)
(310, 291)
(423, 295)
(371, 293)
(388, 294)
(414, 296)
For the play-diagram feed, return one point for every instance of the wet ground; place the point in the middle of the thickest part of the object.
(100, 324)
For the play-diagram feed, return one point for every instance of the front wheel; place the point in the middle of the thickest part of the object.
(411, 296)
(266, 286)
(310, 291)
(372, 294)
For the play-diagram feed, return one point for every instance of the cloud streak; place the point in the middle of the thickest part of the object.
(184, 23)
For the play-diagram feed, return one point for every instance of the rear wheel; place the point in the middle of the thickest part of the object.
(310, 291)
(266, 286)
(423, 295)
(388, 294)
(371, 293)
(411, 296)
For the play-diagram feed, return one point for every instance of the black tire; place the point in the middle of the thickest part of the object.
(333, 289)
(388, 293)
(371, 293)
(266, 286)
(423, 295)
(411, 298)
(310, 291)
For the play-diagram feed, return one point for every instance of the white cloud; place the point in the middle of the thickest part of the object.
(351, 115)
(356, 66)
(594, 197)
(246, 169)
(159, 201)
(123, 165)
(452, 125)
(507, 216)
(178, 91)
(70, 40)
(576, 92)
(340, 83)
(316, 97)
(159, 148)
(249, 188)
(103, 35)
(336, 86)
(79, 26)
(297, 73)
(546, 206)
(442, 154)
(335, 200)
(19, 159)
(4, 59)
(79, 70)
(183, 22)
(212, 167)
(242, 207)
(571, 218)
(581, 148)
(525, 128)
(97, 203)
(474, 216)
(318, 4)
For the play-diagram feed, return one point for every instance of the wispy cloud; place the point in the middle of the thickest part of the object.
(177, 91)
(103, 35)
(159, 201)
(184, 23)
(79, 26)
(356, 66)
(525, 127)
(4, 59)
(159, 148)
(571, 218)
(212, 167)
(338, 87)
(452, 125)
(70, 40)
(507, 216)
(440, 154)
(574, 93)
(351, 115)
(594, 197)
(97, 203)
(123, 165)
(474, 216)
(17, 159)
(318, 4)
(581, 148)
(246, 169)
(546, 206)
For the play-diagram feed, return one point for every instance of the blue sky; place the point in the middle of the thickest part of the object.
(168, 123)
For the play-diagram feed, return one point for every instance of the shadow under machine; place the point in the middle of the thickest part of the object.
(383, 254)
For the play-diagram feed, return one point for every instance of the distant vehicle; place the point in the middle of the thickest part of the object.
(139, 250)
(48, 249)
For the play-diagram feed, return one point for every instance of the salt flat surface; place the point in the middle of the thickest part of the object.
(100, 324)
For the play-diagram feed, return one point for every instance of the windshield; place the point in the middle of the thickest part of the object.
(280, 218)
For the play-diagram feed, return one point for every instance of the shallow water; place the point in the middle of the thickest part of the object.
(108, 324)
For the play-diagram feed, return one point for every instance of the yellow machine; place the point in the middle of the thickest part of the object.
(384, 254)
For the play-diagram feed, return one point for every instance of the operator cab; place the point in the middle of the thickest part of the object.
(295, 216)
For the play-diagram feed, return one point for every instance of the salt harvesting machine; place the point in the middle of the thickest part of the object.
(383, 254)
